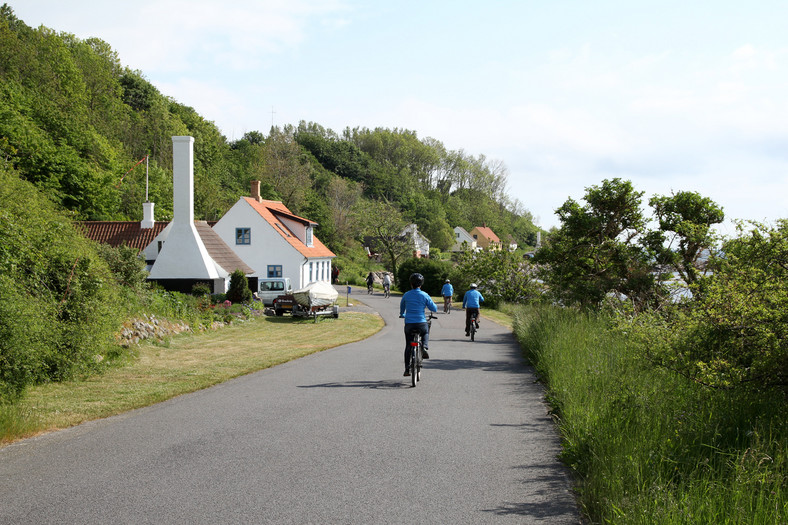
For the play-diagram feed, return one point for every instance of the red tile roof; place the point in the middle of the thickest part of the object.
(487, 232)
(270, 210)
(117, 233)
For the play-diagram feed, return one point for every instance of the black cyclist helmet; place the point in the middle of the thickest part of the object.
(416, 280)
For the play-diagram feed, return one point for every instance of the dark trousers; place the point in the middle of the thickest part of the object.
(421, 328)
(470, 312)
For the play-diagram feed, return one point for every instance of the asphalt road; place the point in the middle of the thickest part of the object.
(336, 437)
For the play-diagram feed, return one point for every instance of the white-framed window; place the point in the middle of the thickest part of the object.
(309, 241)
(274, 270)
(243, 236)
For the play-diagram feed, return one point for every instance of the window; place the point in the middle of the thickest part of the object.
(243, 236)
(311, 265)
(309, 236)
(274, 270)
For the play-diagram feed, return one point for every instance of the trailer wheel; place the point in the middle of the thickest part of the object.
(279, 312)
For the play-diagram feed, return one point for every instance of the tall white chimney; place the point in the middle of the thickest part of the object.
(147, 216)
(183, 255)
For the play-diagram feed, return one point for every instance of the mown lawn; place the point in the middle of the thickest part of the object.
(182, 364)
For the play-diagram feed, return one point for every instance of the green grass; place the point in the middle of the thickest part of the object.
(182, 364)
(648, 446)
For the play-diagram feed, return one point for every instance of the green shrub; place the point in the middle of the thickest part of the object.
(201, 289)
(60, 301)
(434, 272)
(239, 291)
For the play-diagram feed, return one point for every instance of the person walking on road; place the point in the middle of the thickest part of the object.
(411, 307)
(447, 292)
(471, 301)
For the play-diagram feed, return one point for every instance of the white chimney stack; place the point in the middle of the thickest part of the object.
(147, 216)
(183, 255)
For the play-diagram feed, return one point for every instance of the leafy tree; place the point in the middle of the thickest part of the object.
(595, 252)
(734, 333)
(381, 226)
(501, 276)
(138, 93)
(287, 169)
(684, 235)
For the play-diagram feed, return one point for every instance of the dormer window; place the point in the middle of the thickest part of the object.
(309, 236)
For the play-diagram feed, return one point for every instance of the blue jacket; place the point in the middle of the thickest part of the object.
(413, 304)
(447, 290)
(472, 299)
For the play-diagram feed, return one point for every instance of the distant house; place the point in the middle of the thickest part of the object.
(421, 245)
(463, 240)
(417, 243)
(274, 242)
(512, 243)
(486, 238)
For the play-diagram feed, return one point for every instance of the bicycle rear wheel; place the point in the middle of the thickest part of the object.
(414, 366)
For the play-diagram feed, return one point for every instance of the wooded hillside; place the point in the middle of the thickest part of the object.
(74, 121)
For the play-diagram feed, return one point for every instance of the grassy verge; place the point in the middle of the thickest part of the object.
(183, 364)
(648, 446)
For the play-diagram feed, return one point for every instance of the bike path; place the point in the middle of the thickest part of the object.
(336, 437)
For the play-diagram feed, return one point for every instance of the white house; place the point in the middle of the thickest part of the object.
(463, 240)
(274, 242)
(421, 245)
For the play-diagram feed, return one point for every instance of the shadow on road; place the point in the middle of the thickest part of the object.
(361, 384)
(543, 490)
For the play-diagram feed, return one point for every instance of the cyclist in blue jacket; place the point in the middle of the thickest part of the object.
(471, 301)
(411, 307)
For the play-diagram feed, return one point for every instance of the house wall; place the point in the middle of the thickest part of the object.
(268, 247)
(460, 236)
(483, 241)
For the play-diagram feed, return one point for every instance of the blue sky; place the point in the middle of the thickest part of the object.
(674, 96)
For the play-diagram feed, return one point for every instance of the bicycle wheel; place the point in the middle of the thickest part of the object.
(414, 366)
(473, 330)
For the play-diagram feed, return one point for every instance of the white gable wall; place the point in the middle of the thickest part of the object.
(460, 236)
(268, 247)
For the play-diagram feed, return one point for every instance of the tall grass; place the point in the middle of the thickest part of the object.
(648, 446)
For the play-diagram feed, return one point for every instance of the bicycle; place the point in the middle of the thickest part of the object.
(386, 290)
(416, 352)
(447, 305)
(369, 289)
(474, 325)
